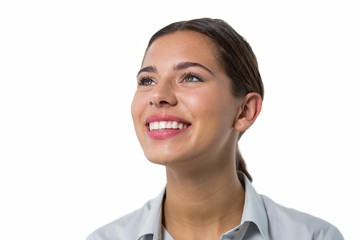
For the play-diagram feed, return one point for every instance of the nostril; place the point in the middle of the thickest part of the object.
(163, 101)
(162, 94)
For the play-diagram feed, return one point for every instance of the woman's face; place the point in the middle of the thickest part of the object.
(183, 109)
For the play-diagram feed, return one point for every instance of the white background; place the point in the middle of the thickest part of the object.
(69, 158)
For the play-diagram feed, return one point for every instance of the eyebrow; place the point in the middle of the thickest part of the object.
(178, 67)
(184, 65)
(149, 69)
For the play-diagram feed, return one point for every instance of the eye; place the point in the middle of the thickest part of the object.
(146, 81)
(191, 77)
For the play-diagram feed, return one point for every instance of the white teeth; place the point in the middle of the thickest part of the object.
(174, 125)
(162, 125)
(166, 125)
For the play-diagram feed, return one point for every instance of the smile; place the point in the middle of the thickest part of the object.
(153, 126)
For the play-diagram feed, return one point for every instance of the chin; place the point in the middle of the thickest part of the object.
(160, 161)
(163, 159)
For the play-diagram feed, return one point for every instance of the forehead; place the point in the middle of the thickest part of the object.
(182, 46)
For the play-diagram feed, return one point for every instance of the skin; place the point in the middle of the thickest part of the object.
(204, 197)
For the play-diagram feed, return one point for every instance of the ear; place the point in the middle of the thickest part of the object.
(248, 111)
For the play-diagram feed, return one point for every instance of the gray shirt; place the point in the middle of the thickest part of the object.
(262, 219)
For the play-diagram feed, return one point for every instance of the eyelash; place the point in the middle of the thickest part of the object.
(184, 78)
(141, 81)
(188, 75)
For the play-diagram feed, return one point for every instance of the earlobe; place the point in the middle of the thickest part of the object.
(248, 112)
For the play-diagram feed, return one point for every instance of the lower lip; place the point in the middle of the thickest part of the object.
(165, 133)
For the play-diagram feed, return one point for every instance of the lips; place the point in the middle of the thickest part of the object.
(165, 126)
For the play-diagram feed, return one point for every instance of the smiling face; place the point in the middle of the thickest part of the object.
(183, 109)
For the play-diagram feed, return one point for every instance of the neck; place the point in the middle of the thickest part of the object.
(208, 203)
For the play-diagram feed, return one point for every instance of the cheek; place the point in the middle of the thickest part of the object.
(214, 108)
(136, 107)
(202, 104)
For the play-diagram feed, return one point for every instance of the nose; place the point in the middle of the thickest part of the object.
(162, 95)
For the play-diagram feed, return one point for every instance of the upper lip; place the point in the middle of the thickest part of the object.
(165, 117)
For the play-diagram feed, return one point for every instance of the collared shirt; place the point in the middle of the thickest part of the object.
(262, 219)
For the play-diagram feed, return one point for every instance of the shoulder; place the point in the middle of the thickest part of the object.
(125, 227)
(289, 223)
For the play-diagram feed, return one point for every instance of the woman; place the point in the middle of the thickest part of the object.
(199, 90)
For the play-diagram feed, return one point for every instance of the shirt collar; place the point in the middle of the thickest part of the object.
(152, 226)
(254, 211)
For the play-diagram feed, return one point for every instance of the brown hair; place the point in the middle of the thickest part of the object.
(234, 54)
